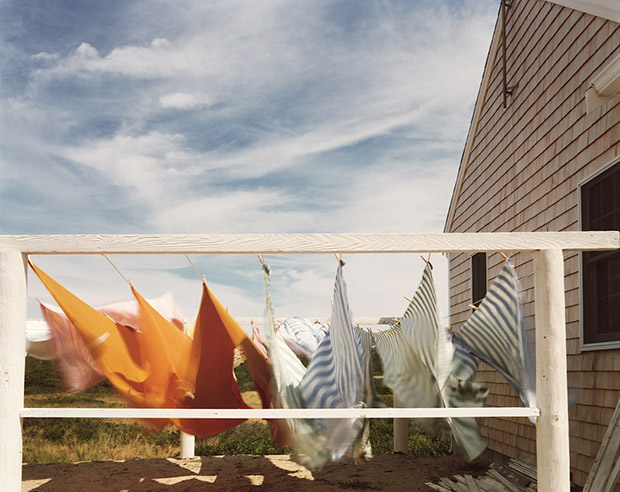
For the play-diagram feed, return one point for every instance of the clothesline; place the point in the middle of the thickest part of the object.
(160, 367)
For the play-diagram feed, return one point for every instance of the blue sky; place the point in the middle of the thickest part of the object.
(237, 117)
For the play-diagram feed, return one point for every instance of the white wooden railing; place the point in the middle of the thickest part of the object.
(547, 247)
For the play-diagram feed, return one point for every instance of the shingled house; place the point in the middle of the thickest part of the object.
(543, 154)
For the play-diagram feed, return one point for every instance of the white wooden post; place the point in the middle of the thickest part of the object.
(401, 431)
(13, 297)
(552, 442)
(187, 445)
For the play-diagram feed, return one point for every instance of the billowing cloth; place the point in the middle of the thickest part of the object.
(431, 343)
(158, 366)
(75, 366)
(114, 347)
(72, 360)
(336, 378)
(494, 334)
(403, 370)
(38, 340)
(302, 336)
(210, 368)
(288, 371)
(260, 341)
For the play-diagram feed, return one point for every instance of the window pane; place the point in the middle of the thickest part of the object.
(478, 277)
(601, 270)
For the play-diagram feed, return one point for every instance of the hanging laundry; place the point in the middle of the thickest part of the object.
(431, 343)
(127, 312)
(288, 371)
(301, 335)
(403, 370)
(336, 378)
(158, 366)
(495, 335)
(260, 341)
(114, 347)
(72, 360)
(210, 368)
(38, 339)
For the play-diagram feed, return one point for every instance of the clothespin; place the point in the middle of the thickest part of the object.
(407, 299)
(338, 257)
(503, 255)
(261, 259)
(475, 308)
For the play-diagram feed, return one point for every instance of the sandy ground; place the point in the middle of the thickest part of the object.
(243, 473)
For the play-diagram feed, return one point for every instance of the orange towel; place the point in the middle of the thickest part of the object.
(158, 366)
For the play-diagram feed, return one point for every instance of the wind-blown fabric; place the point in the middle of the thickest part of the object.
(76, 367)
(260, 341)
(336, 378)
(431, 343)
(404, 371)
(158, 366)
(114, 347)
(210, 368)
(74, 364)
(302, 336)
(38, 339)
(288, 372)
(494, 333)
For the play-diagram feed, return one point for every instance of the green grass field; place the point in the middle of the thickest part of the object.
(71, 440)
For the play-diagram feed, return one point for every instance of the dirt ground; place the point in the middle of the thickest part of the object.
(243, 473)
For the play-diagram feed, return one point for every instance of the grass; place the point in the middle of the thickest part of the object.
(71, 440)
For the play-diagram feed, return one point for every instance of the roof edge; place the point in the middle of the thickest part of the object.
(607, 9)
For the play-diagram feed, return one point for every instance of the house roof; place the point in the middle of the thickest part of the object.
(607, 9)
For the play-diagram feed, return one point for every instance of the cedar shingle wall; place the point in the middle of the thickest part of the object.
(522, 175)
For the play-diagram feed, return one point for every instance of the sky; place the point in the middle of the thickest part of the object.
(230, 116)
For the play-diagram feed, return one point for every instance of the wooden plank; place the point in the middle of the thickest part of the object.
(456, 487)
(401, 430)
(436, 487)
(601, 469)
(13, 300)
(471, 484)
(188, 447)
(491, 485)
(552, 443)
(612, 480)
(277, 413)
(504, 481)
(310, 243)
(358, 320)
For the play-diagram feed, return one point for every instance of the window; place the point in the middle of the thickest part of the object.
(478, 277)
(600, 211)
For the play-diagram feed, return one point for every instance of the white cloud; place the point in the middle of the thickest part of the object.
(189, 118)
(235, 212)
(148, 164)
(184, 100)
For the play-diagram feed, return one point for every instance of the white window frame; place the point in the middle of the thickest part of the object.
(586, 347)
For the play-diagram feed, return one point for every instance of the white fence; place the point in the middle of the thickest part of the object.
(547, 247)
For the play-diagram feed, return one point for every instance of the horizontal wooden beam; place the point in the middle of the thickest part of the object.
(310, 243)
(358, 320)
(277, 413)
